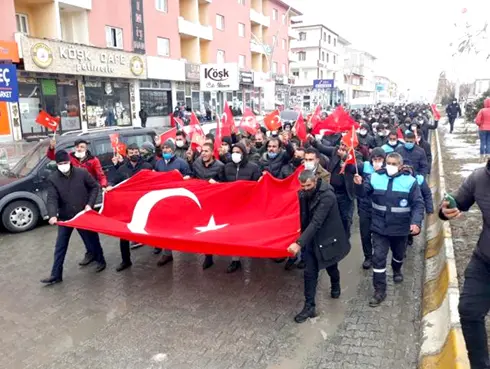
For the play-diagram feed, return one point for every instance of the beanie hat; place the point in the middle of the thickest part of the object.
(377, 152)
(170, 144)
(61, 156)
(148, 146)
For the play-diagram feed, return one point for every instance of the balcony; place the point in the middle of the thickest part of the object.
(190, 29)
(205, 1)
(293, 34)
(293, 57)
(257, 48)
(259, 18)
(83, 4)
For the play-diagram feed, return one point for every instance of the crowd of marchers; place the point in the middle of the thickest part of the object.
(388, 182)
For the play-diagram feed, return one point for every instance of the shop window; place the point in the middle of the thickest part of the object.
(107, 104)
(114, 37)
(229, 96)
(69, 106)
(196, 103)
(22, 23)
(163, 46)
(156, 103)
(180, 97)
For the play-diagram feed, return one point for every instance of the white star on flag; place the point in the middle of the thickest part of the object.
(212, 226)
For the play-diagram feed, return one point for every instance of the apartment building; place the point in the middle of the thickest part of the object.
(359, 72)
(96, 63)
(318, 65)
(386, 89)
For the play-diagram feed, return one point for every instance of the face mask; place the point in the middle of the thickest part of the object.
(80, 154)
(179, 143)
(310, 165)
(409, 145)
(134, 158)
(381, 134)
(236, 157)
(167, 156)
(391, 170)
(64, 168)
(377, 165)
(272, 155)
(363, 132)
(413, 128)
(296, 162)
(258, 145)
(392, 143)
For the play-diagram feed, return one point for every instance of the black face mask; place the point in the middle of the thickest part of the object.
(296, 162)
(259, 145)
(134, 158)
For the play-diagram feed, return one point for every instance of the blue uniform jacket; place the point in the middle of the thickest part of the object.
(426, 194)
(387, 148)
(364, 202)
(174, 163)
(396, 202)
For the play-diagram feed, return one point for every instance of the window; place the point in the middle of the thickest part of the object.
(284, 45)
(274, 40)
(241, 61)
(274, 67)
(301, 56)
(296, 73)
(241, 2)
(283, 69)
(114, 37)
(324, 36)
(22, 23)
(220, 56)
(241, 30)
(334, 42)
(284, 19)
(163, 46)
(156, 103)
(328, 58)
(302, 36)
(329, 39)
(275, 14)
(335, 59)
(220, 22)
(323, 55)
(162, 5)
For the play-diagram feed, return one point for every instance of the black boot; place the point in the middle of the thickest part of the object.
(367, 264)
(305, 314)
(335, 290)
(290, 264)
(397, 276)
(208, 262)
(51, 280)
(278, 261)
(234, 266)
(410, 240)
(377, 299)
(157, 251)
(301, 265)
(165, 259)
(87, 259)
(123, 266)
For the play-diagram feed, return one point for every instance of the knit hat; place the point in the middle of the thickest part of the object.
(148, 146)
(170, 144)
(62, 156)
(377, 152)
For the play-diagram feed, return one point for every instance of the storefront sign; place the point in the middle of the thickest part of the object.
(247, 78)
(9, 51)
(323, 83)
(9, 89)
(138, 26)
(60, 57)
(219, 77)
(192, 72)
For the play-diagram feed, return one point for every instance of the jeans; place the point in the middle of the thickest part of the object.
(311, 276)
(346, 208)
(474, 305)
(365, 230)
(381, 245)
(451, 123)
(484, 142)
(90, 239)
(125, 251)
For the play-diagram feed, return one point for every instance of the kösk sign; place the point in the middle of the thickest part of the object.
(219, 77)
(9, 89)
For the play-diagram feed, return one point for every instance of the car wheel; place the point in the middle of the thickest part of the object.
(20, 216)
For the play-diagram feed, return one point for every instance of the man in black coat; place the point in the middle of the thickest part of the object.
(453, 110)
(276, 156)
(322, 236)
(71, 190)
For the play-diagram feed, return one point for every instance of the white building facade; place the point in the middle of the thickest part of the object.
(359, 72)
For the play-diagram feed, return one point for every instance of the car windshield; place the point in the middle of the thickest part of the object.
(30, 160)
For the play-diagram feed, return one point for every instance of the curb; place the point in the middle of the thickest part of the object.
(442, 343)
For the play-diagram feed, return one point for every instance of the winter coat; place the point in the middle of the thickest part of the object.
(426, 194)
(89, 162)
(68, 195)
(387, 148)
(126, 170)
(274, 166)
(483, 118)
(364, 202)
(453, 110)
(380, 140)
(396, 202)
(321, 226)
(244, 171)
(417, 158)
(174, 163)
(428, 152)
(213, 171)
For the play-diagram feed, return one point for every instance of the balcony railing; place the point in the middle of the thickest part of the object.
(84, 4)
(260, 18)
(257, 48)
(195, 29)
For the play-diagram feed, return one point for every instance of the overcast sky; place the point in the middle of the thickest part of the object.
(411, 38)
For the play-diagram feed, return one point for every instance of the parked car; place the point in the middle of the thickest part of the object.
(23, 188)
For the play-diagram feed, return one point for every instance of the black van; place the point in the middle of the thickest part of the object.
(23, 188)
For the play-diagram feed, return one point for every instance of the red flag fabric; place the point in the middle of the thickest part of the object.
(121, 149)
(114, 139)
(338, 121)
(316, 117)
(351, 159)
(218, 138)
(227, 122)
(272, 121)
(435, 112)
(47, 121)
(179, 122)
(249, 122)
(400, 134)
(219, 220)
(350, 139)
(171, 133)
(195, 132)
(300, 128)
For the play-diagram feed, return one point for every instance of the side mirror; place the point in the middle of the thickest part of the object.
(47, 170)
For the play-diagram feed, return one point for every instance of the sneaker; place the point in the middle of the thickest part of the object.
(165, 259)
(377, 299)
(51, 280)
(208, 262)
(157, 251)
(301, 265)
(86, 260)
(308, 312)
(397, 277)
(100, 267)
(335, 291)
(367, 264)
(234, 266)
(123, 266)
(290, 264)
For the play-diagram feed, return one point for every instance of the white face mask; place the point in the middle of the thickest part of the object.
(80, 154)
(363, 132)
(236, 157)
(310, 165)
(392, 143)
(391, 170)
(377, 165)
(64, 168)
(179, 143)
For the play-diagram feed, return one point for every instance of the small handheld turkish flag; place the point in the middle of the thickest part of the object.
(300, 127)
(114, 139)
(47, 121)
(171, 133)
(272, 121)
(121, 148)
(249, 122)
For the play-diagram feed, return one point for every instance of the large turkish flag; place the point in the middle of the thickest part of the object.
(255, 219)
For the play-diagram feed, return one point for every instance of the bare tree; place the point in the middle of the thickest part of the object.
(474, 41)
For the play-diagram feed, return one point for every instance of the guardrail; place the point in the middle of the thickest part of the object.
(443, 346)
